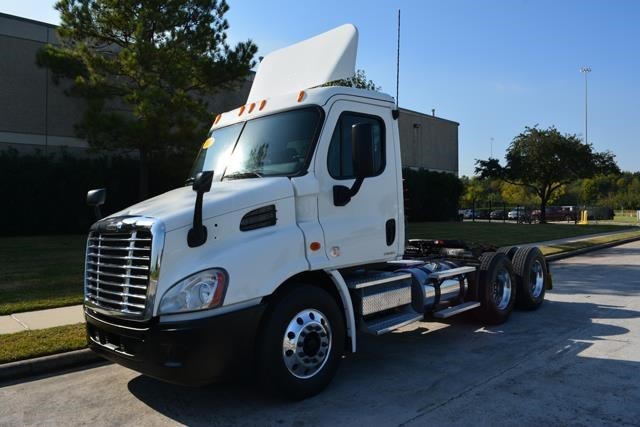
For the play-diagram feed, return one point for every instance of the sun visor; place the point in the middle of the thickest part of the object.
(309, 63)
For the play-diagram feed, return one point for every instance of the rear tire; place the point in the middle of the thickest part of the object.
(531, 272)
(509, 251)
(301, 343)
(496, 288)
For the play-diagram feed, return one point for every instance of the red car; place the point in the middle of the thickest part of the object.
(555, 213)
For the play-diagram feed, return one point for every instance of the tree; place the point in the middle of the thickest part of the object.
(358, 80)
(145, 68)
(517, 194)
(544, 160)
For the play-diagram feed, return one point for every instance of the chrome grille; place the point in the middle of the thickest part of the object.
(117, 270)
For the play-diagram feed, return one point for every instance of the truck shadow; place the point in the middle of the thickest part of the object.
(557, 352)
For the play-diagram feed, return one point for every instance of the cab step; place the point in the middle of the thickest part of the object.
(456, 309)
(389, 323)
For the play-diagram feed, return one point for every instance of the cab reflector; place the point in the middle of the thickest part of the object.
(208, 143)
(262, 104)
(252, 106)
(241, 110)
(301, 95)
(218, 117)
(314, 246)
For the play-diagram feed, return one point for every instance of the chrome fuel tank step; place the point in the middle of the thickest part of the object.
(377, 291)
(381, 300)
(382, 325)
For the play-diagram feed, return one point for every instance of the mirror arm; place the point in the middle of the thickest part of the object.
(198, 233)
(342, 194)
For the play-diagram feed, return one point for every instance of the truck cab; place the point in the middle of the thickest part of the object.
(287, 241)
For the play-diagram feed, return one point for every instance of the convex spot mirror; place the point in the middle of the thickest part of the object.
(202, 182)
(96, 198)
(362, 150)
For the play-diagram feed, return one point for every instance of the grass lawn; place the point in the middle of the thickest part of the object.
(503, 234)
(38, 272)
(28, 344)
(618, 219)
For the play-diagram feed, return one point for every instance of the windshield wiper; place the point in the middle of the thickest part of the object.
(243, 174)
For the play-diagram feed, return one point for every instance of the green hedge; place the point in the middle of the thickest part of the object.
(46, 194)
(432, 196)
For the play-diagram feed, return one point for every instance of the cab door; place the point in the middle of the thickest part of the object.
(365, 230)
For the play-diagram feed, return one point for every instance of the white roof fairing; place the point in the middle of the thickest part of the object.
(312, 62)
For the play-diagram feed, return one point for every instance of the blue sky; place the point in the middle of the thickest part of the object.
(493, 66)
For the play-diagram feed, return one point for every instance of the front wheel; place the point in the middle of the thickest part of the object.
(301, 343)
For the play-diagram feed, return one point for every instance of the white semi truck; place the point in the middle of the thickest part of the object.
(287, 243)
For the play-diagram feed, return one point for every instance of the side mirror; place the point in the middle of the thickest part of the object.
(362, 150)
(198, 233)
(96, 198)
(362, 154)
(202, 182)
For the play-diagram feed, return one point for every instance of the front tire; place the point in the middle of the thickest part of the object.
(301, 343)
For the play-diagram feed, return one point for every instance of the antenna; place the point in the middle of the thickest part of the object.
(398, 65)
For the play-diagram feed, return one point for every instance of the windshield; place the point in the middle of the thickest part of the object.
(275, 145)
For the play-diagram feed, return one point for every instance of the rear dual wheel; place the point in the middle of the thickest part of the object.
(497, 288)
(532, 275)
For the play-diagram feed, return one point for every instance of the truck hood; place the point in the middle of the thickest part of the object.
(175, 208)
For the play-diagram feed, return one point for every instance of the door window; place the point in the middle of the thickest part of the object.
(340, 159)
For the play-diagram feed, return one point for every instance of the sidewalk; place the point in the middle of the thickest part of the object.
(41, 319)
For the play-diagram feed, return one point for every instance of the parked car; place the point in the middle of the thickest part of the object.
(482, 214)
(520, 214)
(516, 213)
(555, 213)
(499, 214)
(477, 214)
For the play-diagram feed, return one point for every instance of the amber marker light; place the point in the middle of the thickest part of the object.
(314, 246)
(262, 104)
(218, 117)
(251, 107)
(241, 110)
(301, 95)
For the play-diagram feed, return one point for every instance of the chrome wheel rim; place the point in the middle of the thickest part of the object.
(536, 279)
(307, 343)
(502, 289)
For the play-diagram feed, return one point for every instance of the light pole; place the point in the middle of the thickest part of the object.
(585, 71)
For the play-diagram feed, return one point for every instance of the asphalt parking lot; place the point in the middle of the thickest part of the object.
(576, 361)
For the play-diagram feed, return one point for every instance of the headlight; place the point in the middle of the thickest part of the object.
(199, 291)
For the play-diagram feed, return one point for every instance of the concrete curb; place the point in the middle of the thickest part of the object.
(47, 364)
(557, 257)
